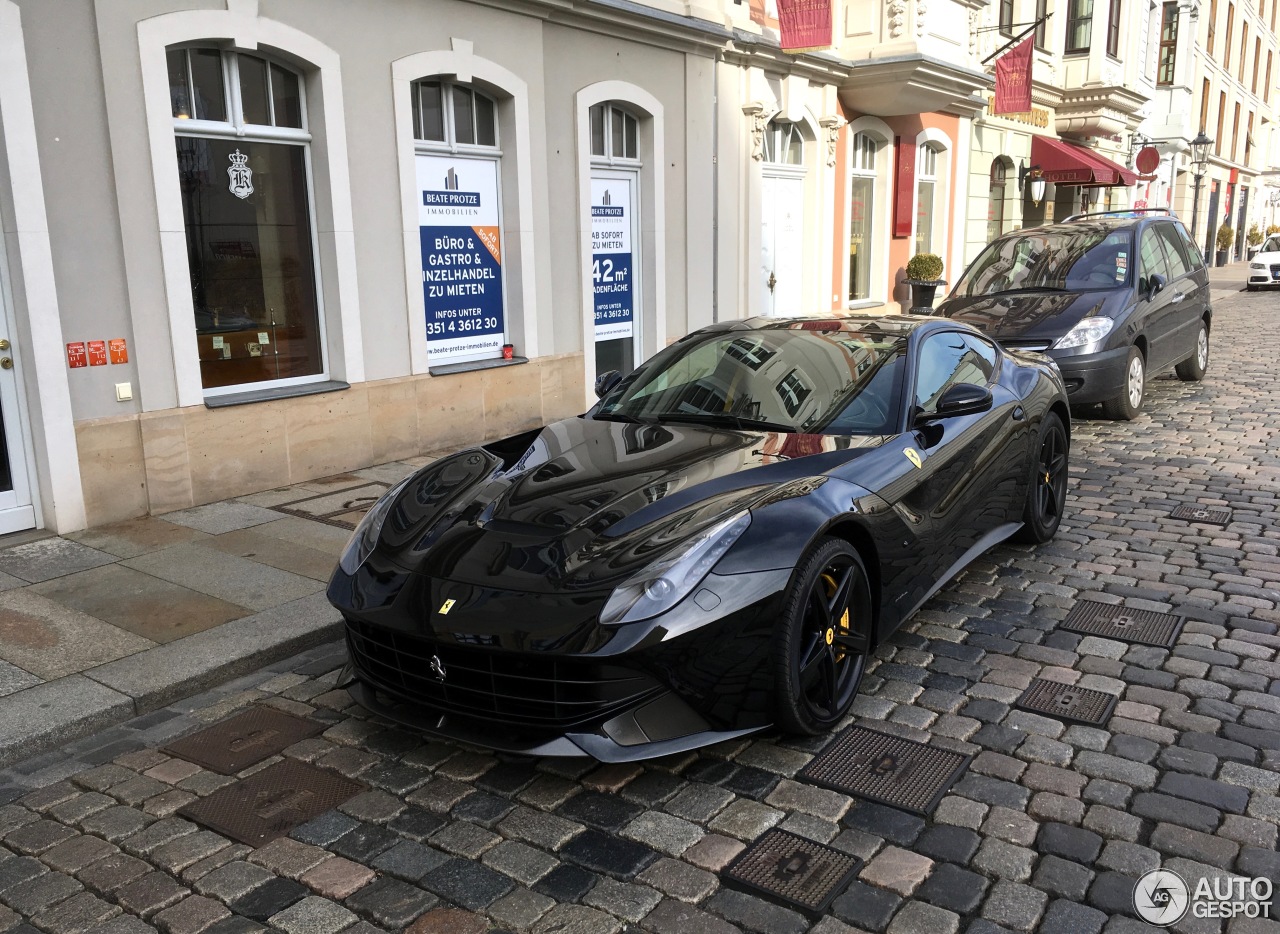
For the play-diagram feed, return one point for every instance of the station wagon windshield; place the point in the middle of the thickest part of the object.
(1076, 258)
(811, 377)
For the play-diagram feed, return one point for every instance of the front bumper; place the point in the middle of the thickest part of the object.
(1264, 277)
(1092, 377)
(502, 672)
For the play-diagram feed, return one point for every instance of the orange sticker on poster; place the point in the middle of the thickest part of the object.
(97, 353)
(76, 356)
(489, 237)
(119, 350)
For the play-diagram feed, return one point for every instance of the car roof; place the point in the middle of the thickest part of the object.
(1102, 222)
(848, 321)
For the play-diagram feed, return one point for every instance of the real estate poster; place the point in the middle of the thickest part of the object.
(611, 254)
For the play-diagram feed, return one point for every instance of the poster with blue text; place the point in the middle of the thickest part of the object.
(461, 258)
(611, 266)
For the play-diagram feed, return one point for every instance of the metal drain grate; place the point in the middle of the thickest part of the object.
(270, 803)
(789, 869)
(1067, 702)
(886, 769)
(1144, 627)
(245, 739)
(1202, 514)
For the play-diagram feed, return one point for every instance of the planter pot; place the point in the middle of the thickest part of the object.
(1220, 258)
(922, 293)
(1253, 251)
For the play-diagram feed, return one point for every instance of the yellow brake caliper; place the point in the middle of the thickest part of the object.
(830, 634)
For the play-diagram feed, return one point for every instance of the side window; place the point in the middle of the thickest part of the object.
(1175, 251)
(1193, 251)
(1150, 258)
(947, 359)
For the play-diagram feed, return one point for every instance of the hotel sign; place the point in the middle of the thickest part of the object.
(1036, 117)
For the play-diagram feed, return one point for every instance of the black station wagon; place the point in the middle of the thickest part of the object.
(1113, 298)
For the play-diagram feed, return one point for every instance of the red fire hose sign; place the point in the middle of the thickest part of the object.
(76, 356)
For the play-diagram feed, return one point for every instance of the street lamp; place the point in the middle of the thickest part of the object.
(1036, 179)
(1200, 158)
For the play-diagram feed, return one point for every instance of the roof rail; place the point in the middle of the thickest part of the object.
(1128, 212)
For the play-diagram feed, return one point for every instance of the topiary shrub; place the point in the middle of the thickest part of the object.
(924, 267)
(1226, 237)
(1254, 236)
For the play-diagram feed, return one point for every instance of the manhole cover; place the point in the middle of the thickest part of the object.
(245, 739)
(797, 872)
(1145, 627)
(1067, 702)
(886, 769)
(270, 803)
(1202, 514)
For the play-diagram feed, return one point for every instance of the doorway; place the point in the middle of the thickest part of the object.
(17, 511)
(781, 243)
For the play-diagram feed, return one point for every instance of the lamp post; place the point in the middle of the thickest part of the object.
(1199, 159)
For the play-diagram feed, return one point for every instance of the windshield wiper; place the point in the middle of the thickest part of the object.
(737, 421)
(1029, 288)
(619, 417)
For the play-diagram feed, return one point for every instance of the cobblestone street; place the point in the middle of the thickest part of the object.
(1047, 831)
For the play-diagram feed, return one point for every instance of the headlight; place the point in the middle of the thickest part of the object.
(1257, 265)
(666, 582)
(1088, 331)
(365, 537)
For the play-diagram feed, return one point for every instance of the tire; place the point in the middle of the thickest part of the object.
(819, 669)
(1047, 487)
(1191, 370)
(1126, 405)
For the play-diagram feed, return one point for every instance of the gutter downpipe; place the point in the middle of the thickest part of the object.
(715, 190)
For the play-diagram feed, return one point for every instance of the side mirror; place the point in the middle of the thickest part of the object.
(1155, 285)
(606, 381)
(960, 399)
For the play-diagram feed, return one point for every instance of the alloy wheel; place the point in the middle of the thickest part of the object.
(1051, 479)
(832, 654)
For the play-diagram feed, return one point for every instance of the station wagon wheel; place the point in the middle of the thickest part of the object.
(1192, 369)
(1047, 488)
(1127, 403)
(823, 638)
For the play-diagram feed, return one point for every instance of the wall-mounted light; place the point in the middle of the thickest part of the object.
(1036, 179)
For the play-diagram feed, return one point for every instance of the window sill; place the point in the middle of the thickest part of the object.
(863, 304)
(269, 395)
(448, 369)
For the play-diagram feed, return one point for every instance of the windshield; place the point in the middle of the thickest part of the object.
(796, 379)
(1272, 245)
(1073, 259)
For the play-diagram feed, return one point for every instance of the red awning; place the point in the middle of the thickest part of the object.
(1066, 163)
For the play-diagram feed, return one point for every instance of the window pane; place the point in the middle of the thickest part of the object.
(210, 93)
(285, 97)
(769, 143)
(597, 130)
(430, 112)
(179, 86)
(633, 150)
(924, 217)
(464, 128)
(947, 360)
(253, 90)
(861, 208)
(252, 272)
(615, 131)
(486, 126)
(795, 145)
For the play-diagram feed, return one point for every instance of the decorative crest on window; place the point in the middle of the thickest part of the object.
(241, 175)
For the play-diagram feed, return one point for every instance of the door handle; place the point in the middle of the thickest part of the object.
(773, 280)
(6, 363)
(1177, 297)
(4, 343)
(1018, 413)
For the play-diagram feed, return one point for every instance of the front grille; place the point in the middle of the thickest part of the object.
(1275, 270)
(532, 689)
(1037, 346)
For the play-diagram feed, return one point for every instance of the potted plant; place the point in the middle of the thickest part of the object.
(1254, 240)
(924, 275)
(1225, 239)
(1273, 229)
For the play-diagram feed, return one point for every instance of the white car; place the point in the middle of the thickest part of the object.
(1264, 268)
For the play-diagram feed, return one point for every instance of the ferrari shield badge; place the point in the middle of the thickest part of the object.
(241, 175)
(447, 606)
(913, 455)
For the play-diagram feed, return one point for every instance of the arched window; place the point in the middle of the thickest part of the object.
(455, 115)
(926, 195)
(862, 207)
(615, 237)
(614, 134)
(243, 163)
(783, 143)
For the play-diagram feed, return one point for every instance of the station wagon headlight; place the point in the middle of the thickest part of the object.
(1257, 265)
(666, 582)
(1088, 331)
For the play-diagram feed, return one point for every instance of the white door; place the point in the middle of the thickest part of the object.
(781, 243)
(16, 510)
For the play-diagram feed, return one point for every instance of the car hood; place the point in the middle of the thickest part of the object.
(1267, 258)
(567, 505)
(1030, 316)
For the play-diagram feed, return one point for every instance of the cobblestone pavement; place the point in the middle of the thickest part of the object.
(1047, 831)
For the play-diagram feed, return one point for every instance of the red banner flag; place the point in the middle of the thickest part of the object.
(1013, 80)
(804, 25)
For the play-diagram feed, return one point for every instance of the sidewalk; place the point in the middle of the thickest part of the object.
(103, 625)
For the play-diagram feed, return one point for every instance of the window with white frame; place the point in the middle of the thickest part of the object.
(783, 143)
(616, 256)
(244, 168)
(862, 192)
(926, 191)
(458, 159)
(615, 135)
